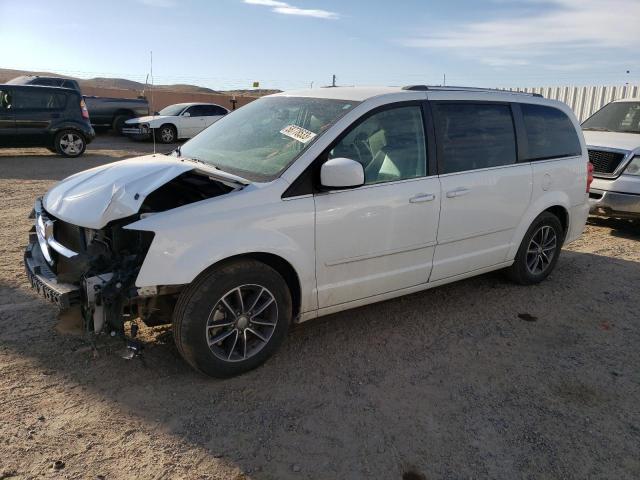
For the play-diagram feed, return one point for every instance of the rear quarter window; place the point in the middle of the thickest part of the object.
(549, 133)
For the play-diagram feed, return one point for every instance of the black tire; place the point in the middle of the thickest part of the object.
(118, 122)
(202, 301)
(167, 133)
(544, 257)
(70, 143)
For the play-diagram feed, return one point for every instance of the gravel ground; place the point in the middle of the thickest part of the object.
(478, 379)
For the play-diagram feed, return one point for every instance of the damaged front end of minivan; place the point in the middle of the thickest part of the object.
(89, 267)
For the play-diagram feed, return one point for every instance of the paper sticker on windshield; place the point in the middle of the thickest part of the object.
(298, 133)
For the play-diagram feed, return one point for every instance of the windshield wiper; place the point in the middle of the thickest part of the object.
(597, 129)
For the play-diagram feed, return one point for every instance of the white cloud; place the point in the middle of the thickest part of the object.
(306, 12)
(266, 3)
(284, 8)
(560, 26)
(159, 3)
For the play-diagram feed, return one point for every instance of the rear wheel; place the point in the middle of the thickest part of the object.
(118, 122)
(70, 143)
(539, 250)
(232, 318)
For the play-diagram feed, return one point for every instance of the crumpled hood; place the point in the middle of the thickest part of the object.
(624, 141)
(95, 197)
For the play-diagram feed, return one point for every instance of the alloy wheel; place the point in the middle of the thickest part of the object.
(241, 323)
(167, 135)
(71, 143)
(541, 250)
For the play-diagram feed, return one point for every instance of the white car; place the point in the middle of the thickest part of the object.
(182, 120)
(307, 203)
(613, 138)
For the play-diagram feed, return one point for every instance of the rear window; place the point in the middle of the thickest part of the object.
(550, 133)
(471, 136)
(36, 99)
(47, 82)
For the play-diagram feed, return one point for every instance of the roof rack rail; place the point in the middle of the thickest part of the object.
(424, 88)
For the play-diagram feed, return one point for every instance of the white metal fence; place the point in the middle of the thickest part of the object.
(585, 100)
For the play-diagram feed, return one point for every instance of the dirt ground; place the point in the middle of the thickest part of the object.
(478, 379)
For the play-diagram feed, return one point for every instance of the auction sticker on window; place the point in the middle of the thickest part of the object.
(298, 133)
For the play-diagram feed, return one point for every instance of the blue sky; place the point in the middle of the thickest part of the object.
(228, 44)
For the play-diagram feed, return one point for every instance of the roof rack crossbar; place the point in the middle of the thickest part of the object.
(424, 88)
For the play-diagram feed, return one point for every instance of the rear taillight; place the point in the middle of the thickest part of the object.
(83, 107)
(589, 175)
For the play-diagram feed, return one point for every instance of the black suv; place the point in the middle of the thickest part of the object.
(51, 117)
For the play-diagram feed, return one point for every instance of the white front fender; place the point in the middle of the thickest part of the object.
(190, 239)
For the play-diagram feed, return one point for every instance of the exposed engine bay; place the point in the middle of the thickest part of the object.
(93, 271)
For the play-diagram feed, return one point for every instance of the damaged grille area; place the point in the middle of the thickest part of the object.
(100, 265)
(605, 161)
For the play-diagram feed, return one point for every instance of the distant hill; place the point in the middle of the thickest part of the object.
(124, 84)
(257, 92)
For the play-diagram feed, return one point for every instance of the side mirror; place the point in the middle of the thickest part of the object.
(341, 173)
(186, 114)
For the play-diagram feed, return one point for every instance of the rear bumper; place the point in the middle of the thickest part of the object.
(44, 281)
(90, 135)
(614, 204)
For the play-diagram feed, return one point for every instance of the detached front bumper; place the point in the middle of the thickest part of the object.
(614, 204)
(38, 258)
(44, 281)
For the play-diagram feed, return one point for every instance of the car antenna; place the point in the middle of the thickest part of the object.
(153, 130)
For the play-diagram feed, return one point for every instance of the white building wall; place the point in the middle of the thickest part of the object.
(585, 101)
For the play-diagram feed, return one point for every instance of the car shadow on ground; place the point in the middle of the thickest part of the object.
(480, 378)
(629, 229)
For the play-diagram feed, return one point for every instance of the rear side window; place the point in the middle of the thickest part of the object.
(198, 111)
(550, 133)
(207, 110)
(471, 136)
(216, 110)
(35, 99)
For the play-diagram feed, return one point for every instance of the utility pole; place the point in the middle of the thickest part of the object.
(153, 109)
(444, 79)
(333, 81)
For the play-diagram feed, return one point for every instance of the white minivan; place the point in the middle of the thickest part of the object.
(307, 203)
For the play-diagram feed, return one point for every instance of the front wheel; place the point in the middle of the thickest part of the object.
(232, 318)
(167, 134)
(539, 250)
(70, 143)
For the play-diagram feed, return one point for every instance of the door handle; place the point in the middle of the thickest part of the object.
(458, 192)
(422, 197)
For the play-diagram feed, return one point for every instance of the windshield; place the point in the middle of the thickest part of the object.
(615, 117)
(260, 140)
(172, 110)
